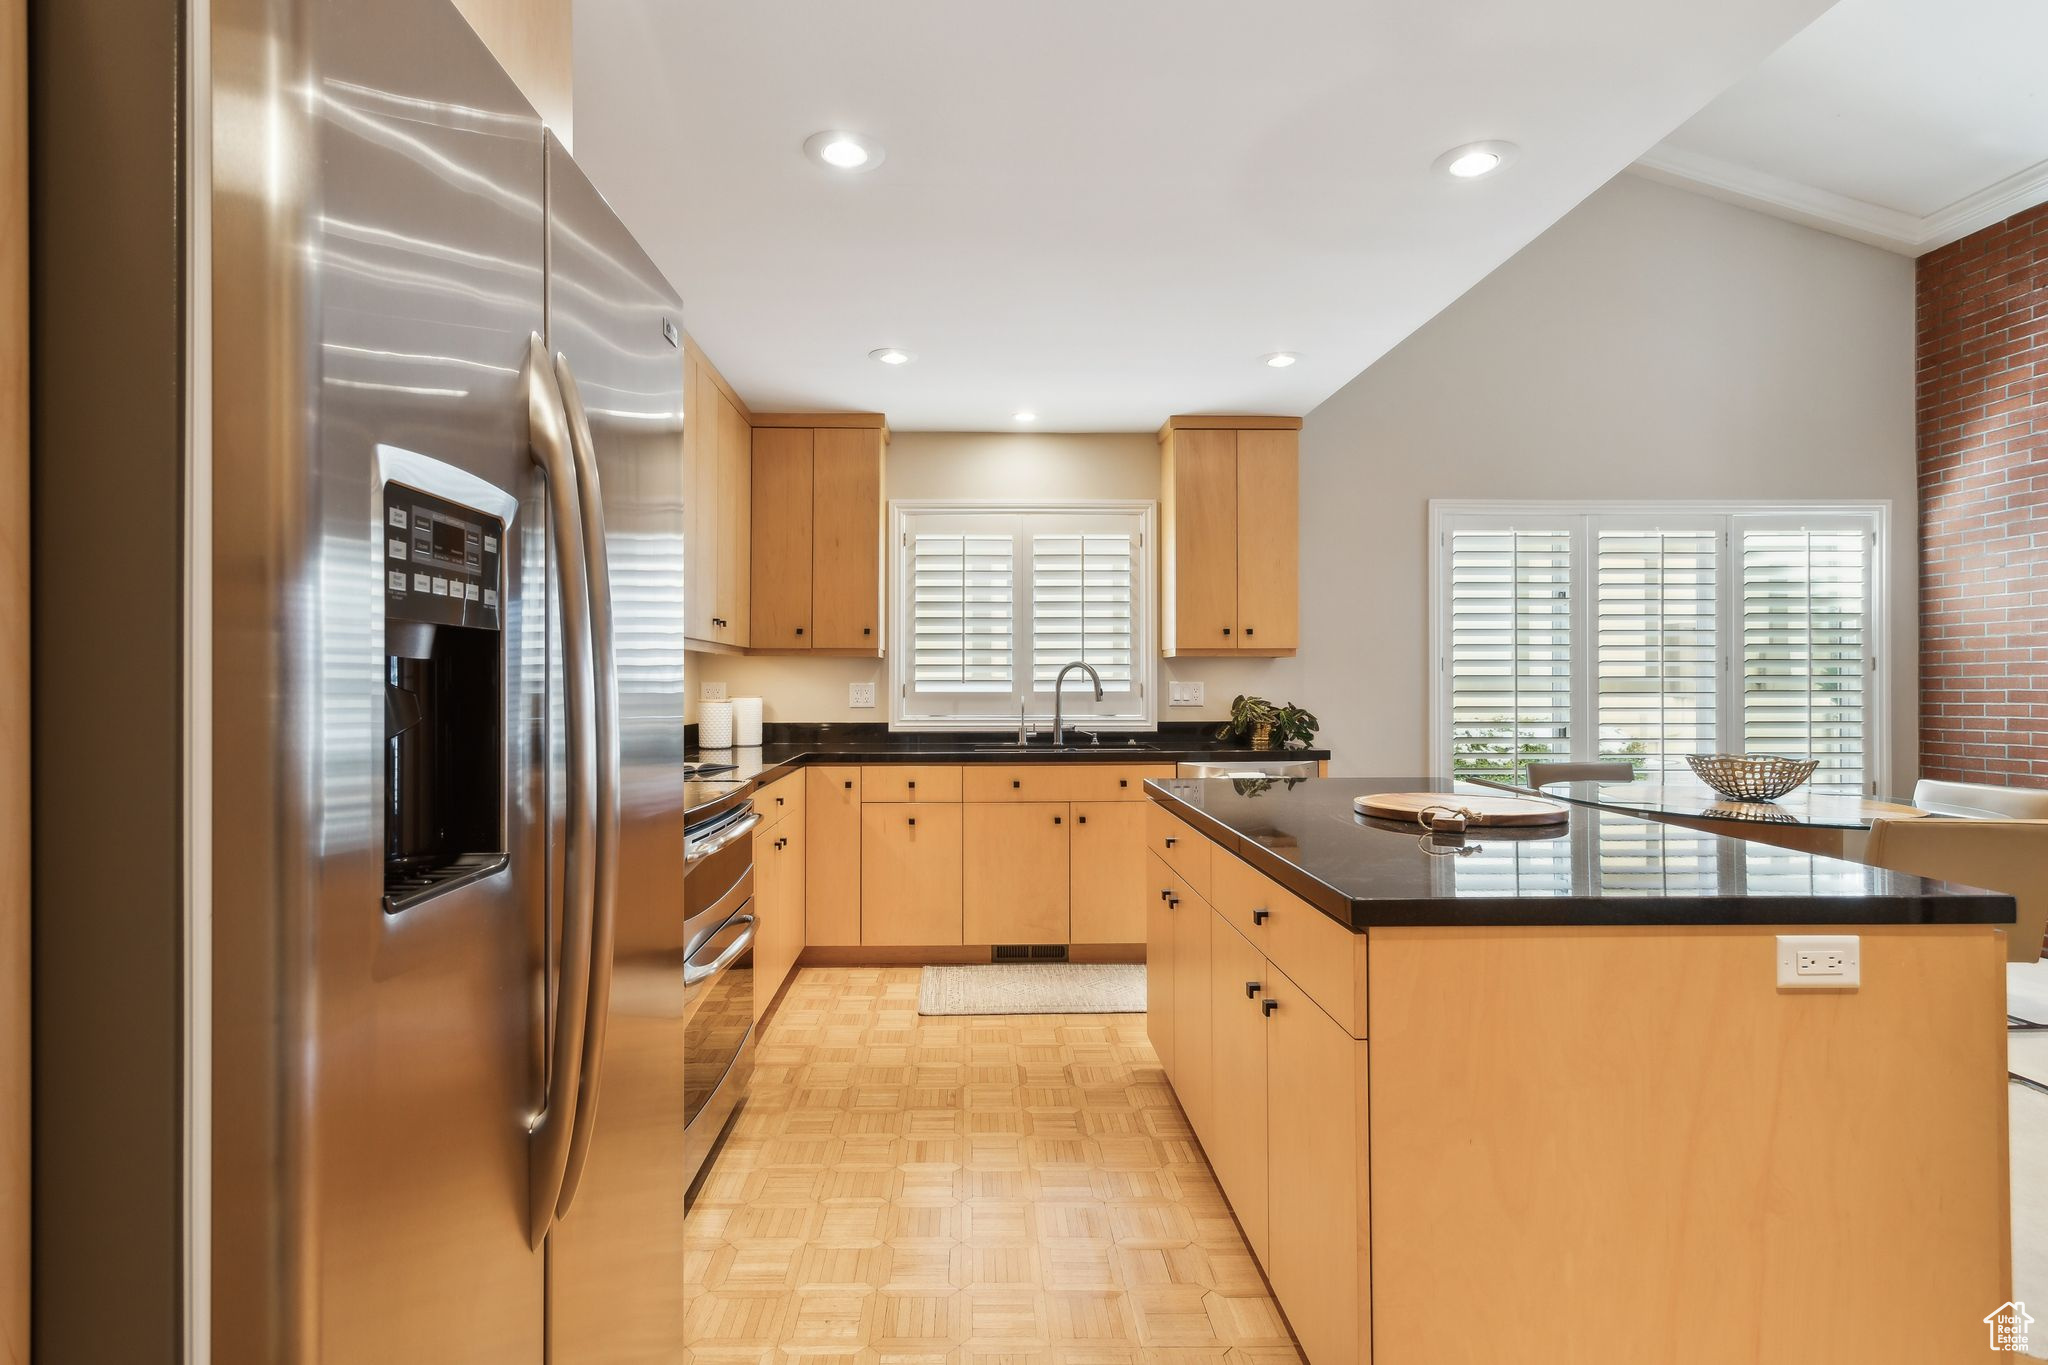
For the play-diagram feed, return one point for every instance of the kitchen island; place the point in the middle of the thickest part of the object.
(1538, 1095)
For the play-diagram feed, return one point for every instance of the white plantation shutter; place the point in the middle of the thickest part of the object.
(992, 601)
(1654, 650)
(1805, 647)
(1083, 603)
(1654, 633)
(962, 590)
(1510, 661)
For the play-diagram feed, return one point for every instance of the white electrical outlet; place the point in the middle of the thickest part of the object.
(860, 694)
(1819, 962)
(1184, 694)
(712, 691)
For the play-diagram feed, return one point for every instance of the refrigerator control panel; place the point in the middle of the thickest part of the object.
(440, 560)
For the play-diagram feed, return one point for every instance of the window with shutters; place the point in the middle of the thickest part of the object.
(1647, 632)
(992, 601)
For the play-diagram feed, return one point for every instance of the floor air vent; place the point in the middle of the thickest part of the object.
(1028, 952)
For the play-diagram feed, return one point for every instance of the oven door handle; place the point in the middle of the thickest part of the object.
(698, 852)
(605, 718)
(551, 1130)
(695, 975)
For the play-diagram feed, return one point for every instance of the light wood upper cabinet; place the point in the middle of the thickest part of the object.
(818, 533)
(782, 537)
(717, 463)
(1230, 562)
(1014, 872)
(846, 545)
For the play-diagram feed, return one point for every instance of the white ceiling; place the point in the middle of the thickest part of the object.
(1106, 212)
(1907, 123)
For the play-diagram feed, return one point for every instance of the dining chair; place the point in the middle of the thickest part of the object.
(1542, 773)
(1998, 855)
(2015, 803)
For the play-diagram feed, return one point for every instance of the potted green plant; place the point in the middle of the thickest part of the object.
(1251, 719)
(1292, 725)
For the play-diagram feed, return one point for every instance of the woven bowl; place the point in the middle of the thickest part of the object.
(1745, 777)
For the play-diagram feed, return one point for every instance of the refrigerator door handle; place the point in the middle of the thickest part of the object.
(553, 1126)
(604, 658)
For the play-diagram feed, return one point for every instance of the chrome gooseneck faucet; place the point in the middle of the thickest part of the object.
(1059, 698)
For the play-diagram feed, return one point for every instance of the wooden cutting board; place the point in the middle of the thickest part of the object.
(1480, 811)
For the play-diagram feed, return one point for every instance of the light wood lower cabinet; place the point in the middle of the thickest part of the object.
(1014, 872)
(910, 874)
(1315, 1161)
(779, 876)
(1236, 1140)
(1107, 875)
(1192, 1005)
(832, 863)
(1160, 983)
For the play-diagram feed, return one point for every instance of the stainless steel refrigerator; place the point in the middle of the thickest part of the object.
(448, 725)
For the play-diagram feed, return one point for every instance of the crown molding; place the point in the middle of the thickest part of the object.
(1906, 233)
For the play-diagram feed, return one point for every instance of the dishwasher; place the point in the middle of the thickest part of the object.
(1249, 767)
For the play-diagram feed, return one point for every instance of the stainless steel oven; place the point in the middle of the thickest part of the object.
(718, 972)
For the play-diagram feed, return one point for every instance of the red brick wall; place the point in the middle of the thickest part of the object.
(1983, 416)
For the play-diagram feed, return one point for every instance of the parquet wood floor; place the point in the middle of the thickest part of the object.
(910, 1191)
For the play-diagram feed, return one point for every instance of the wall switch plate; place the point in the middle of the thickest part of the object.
(860, 694)
(1819, 962)
(712, 691)
(1184, 694)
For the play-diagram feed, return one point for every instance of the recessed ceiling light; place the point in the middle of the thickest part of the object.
(1027, 417)
(891, 355)
(1280, 360)
(1475, 159)
(844, 151)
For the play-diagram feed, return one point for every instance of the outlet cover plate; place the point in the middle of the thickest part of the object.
(861, 694)
(1184, 694)
(711, 691)
(1819, 962)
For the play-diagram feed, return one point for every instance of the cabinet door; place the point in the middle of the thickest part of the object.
(1014, 872)
(781, 582)
(1268, 541)
(846, 544)
(735, 481)
(1108, 880)
(1318, 1198)
(789, 906)
(701, 400)
(1236, 1140)
(1202, 600)
(769, 867)
(832, 856)
(1160, 918)
(910, 875)
(1193, 1065)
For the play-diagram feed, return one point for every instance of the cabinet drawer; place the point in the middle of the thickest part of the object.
(1113, 781)
(909, 782)
(1017, 782)
(779, 800)
(1183, 850)
(1325, 959)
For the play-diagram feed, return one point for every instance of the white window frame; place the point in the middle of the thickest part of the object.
(1144, 601)
(1588, 516)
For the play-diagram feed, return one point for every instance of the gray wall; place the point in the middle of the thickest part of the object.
(1653, 344)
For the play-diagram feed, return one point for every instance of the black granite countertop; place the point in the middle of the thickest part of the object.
(1602, 868)
(790, 747)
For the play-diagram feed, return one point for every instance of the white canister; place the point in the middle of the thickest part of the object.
(746, 721)
(714, 725)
